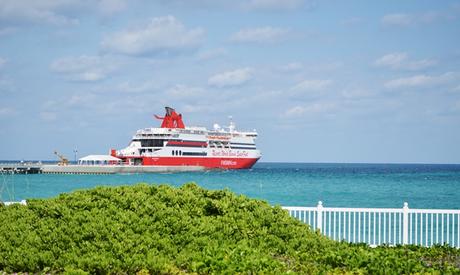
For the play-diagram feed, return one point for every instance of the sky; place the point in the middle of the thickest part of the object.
(321, 81)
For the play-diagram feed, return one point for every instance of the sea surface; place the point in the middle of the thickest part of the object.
(287, 184)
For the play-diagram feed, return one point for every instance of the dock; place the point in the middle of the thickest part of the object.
(116, 169)
(21, 168)
(40, 168)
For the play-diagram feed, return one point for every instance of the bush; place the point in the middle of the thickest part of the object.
(160, 229)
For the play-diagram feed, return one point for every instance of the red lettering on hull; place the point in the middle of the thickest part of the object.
(224, 163)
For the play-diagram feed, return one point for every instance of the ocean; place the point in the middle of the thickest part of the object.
(288, 184)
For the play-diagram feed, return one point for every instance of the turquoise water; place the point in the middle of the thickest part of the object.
(300, 184)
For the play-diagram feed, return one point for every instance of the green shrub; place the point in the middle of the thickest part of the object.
(160, 229)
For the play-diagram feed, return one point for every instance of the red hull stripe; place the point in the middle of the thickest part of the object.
(225, 163)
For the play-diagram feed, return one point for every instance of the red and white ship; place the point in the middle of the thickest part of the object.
(173, 144)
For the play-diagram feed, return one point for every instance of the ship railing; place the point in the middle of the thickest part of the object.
(379, 226)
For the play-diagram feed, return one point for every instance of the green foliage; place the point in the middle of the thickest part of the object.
(164, 230)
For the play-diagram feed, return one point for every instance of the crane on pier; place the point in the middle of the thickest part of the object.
(62, 160)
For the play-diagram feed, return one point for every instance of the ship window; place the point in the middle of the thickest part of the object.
(173, 152)
(180, 152)
(152, 142)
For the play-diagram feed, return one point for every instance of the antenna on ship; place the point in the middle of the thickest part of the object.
(231, 128)
(75, 152)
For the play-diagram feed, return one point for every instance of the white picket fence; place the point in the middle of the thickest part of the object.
(377, 226)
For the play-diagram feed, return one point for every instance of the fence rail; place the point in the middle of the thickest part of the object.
(377, 226)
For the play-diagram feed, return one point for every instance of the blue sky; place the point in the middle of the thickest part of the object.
(321, 81)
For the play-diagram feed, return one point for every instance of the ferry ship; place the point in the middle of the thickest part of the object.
(174, 144)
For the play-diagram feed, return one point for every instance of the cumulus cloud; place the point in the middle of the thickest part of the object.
(400, 60)
(291, 67)
(274, 5)
(48, 116)
(295, 111)
(351, 21)
(84, 68)
(161, 35)
(421, 80)
(109, 7)
(2, 62)
(246, 5)
(183, 91)
(315, 108)
(312, 85)
(46, 11)
(136, 87)
(398, 19)
(211, 54)
(260, 35)
(357, 93)
(54, 11)
(231, 78)
(6, 111)
(407, 19)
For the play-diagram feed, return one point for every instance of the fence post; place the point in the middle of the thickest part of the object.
(319, 217)
(406, 223)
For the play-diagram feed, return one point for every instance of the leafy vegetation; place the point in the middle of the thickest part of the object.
(160, 229)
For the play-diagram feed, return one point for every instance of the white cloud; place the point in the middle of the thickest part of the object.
(312, 85)
(292, 67)
(231, 78)
(211, 54)
(84, 68)
(161, 35)
(400, 60)
(421, 80)
(295, 111)
(398, 19)
(130, 87)
(274, 5)
(199, 108)
(260, 35)
(182, 91)
(351, 21)
(357, 93)
(246, 5)
(57, 12)
(109, 7)
(391, 60)
(406, 19)
(47, 11)
(315, 108)
(6, 111)
(48, 116)
(2, 62)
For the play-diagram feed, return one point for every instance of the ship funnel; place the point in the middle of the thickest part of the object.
(171, 119)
